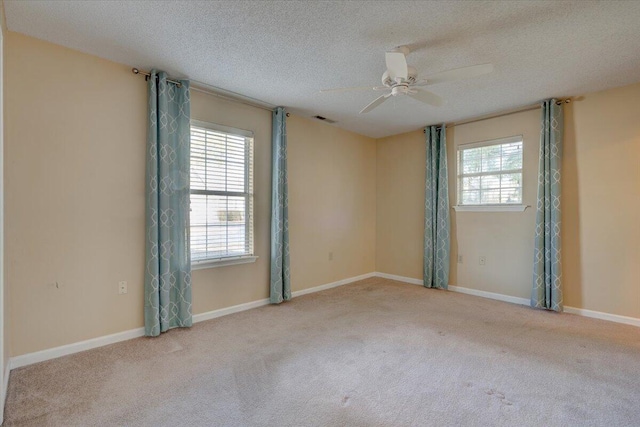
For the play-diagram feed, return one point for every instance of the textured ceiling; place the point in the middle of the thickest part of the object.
(282, 53)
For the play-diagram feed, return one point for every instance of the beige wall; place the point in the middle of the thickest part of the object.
(601, 206)
(4, 289)
(331, 206)
(332, 199)
(504, 238)
(74, 182)
(601, 195)
(74, 150)
(400, 204)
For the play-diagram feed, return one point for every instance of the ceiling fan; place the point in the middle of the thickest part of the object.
(402, 79)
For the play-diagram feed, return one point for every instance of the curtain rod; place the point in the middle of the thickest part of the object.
(503, 113)
(147, 75)
(507, 113)
(202, 88)
(209, 90)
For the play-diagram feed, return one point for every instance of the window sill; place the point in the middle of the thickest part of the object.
(490, 208)
(221, 262)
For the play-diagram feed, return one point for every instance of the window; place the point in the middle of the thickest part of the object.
(490, 173)
(221, 195)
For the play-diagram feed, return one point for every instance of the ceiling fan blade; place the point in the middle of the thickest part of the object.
(348, 89)
(427, 97)
(379, 100)
(396, 65)
(460, 73)
(421, 82)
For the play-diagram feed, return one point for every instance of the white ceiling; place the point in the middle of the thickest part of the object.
(282, 53)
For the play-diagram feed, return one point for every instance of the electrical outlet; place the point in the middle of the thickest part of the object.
(330, 256)
(483, 260)
(459, 259)
(122, 287)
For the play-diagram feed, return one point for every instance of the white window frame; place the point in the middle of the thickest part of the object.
(499, 207)
(249, 205)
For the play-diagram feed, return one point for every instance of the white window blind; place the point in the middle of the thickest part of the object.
(221, 192)
(490, 172)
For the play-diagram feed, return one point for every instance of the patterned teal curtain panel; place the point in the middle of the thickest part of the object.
(280, 273)
(547, 268)
(167, 278)
(436, 210)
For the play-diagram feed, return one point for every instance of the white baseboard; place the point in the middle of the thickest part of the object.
(201, 317)
(400, 278)
(522, 301)
(52, 353)
(603, 316)
(490, 295)
(332, 285)
(5, 387)
(460, 289)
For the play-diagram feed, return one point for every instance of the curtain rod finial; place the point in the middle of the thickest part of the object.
(135, 71)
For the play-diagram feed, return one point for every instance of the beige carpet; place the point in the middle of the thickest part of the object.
(373, 353)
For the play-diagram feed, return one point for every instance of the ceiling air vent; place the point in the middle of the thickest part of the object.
(324, 119)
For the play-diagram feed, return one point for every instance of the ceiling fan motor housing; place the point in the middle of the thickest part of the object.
(400, 89)
(411, 78)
